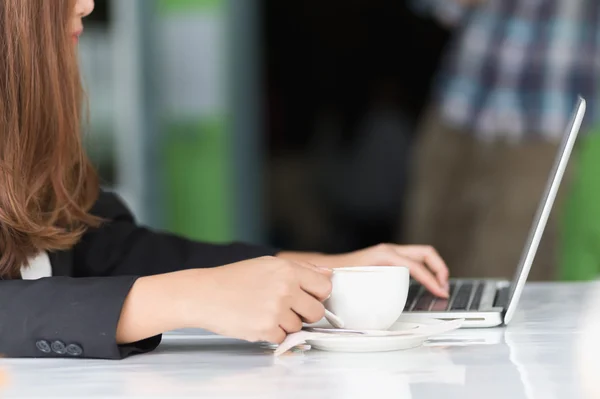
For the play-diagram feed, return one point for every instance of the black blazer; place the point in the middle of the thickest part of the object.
(75, 312)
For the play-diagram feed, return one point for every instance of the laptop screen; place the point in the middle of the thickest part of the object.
(545, 207)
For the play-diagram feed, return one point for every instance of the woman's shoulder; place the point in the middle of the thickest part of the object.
(111, 206)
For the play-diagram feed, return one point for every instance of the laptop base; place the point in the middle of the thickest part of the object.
(483, 308)
(472, 319)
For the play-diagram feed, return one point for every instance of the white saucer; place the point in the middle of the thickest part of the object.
(366, 343)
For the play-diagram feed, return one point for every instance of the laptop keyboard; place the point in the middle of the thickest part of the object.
(501, 299)
(477, 297)
(424, 302)
(464, 296)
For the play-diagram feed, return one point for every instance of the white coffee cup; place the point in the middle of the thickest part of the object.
(369, 297)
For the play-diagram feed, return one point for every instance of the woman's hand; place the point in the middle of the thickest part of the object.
(425, 264)
(262, 299)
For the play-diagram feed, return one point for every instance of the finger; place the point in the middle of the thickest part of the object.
(420, 273)
(427, 255)
(430, 257)
(424, 276)
(290, 321)
(275, 336)
(307, 307)
(318, 269)
(315, 283)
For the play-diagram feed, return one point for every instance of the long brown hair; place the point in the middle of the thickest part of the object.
(47, 184)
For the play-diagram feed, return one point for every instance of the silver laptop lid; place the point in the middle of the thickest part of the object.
(543, 212)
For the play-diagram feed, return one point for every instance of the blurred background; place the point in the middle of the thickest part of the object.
(335, 125)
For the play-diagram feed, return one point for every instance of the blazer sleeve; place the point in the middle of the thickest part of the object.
(120, 247)
(65, 317)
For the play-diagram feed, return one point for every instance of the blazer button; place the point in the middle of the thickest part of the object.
(43, 346)
(58, 347)
(74, 350)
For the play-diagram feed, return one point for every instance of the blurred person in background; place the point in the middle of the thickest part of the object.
(79, 277)
(485, 149)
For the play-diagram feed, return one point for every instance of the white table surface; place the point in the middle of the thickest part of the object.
(535, 357)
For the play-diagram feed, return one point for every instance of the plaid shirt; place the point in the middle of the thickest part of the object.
(515, 68)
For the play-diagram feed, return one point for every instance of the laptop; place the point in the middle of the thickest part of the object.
(491, 303)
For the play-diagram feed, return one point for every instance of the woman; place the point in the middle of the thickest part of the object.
(79, 277)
